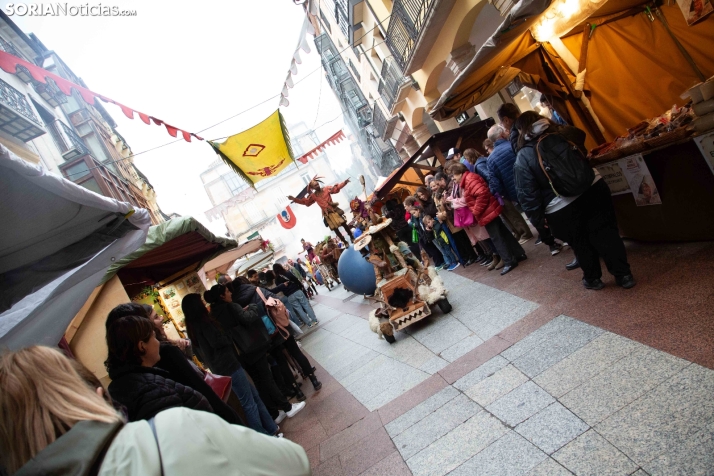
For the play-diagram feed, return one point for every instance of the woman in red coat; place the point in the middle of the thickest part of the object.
(486, 211)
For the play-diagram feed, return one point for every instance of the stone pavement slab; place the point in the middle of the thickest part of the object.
(550, 467)
(419, 412)
(510, 455)
(457, 446)
(520, 404)
(591, 454)
(480, 373)
(496, 385)
(625, 381)
(435, 425)
(552, 428)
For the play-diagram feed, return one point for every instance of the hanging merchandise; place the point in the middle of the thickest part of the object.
(31, 73)
(286, 218)
(258, 153)
(332, 140)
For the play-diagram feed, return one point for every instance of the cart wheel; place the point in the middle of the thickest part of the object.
(444, 305)
(390, 339)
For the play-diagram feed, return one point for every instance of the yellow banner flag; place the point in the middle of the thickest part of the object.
(260, 152)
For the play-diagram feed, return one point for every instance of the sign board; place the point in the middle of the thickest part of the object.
(706, 147)
(631, 175)
(613, 176)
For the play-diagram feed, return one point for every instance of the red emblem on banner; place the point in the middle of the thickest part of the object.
(287, 218)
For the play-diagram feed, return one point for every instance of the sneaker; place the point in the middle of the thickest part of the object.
(538, 241)
(555, 249)
(295, 409)
(626, 282)
(439, 268)
(453, 266)
(281, 417)
(525, 239)
(594, 284)
(311, 325)
(279, 435)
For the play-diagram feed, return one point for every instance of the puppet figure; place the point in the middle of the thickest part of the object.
(332, 214)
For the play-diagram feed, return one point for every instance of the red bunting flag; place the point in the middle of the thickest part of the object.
(332, 140)
(287, 218)
(10, 64)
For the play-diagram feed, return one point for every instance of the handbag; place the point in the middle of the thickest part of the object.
(277, 313)
(463, 217)
(220, 384)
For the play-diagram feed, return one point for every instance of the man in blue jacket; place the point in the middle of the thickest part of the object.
(501, 182)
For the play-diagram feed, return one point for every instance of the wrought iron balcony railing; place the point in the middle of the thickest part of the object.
(392, 80)
(71, 144)
(342, 17)
(17, 101)
(8, 47)
(17, 117)
(379, 122)
(405, 27)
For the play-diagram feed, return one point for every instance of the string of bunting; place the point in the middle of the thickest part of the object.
(335, 138)
(13, 65)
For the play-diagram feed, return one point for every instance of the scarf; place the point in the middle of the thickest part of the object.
(538, 128)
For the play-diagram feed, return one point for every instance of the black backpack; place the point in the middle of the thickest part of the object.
(564, 165)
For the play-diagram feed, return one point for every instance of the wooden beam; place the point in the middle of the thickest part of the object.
(411, 183)
(439, 155)
(584, 48)
(580, 108)
(419, 173)
(424, 167)
(458, 142)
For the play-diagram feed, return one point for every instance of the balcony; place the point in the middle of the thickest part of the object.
(392, 83)
(8, 47)
(69, 142)
(384, 155)
(405, 28)
(17, 117)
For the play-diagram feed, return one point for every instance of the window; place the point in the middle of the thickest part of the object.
(306, 178)
(235, 184)
(354, 70)
(325, 23)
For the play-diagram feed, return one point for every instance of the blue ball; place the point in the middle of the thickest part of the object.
(356, 274)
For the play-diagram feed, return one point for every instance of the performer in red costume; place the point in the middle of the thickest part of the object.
(332, 214)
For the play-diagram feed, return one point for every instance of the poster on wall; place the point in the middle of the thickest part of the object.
(706, 147)
(613, 176)
(695, 10)
(638, 176)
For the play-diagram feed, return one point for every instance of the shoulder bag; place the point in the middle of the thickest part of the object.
(277, 314)
(219, 384)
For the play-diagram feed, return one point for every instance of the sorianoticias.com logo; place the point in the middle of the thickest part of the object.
(66, 9)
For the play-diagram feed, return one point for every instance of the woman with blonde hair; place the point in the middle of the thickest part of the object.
(52, 422)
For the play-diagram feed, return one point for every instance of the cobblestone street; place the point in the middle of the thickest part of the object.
(512, 382)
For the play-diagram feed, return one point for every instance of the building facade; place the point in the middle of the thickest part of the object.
(249, 212)
(400, 56)
(65, 134)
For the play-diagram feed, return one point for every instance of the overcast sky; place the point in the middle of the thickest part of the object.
(191, 64)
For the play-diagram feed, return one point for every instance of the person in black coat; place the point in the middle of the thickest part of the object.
(245, 294)
(142, 389)
(216, 350)
(174, 362)
(246, 329)
(587, 221)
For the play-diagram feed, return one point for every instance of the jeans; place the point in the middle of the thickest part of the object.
(302, 307)
(255, 412)
(447, 253)
(451, 246)
(268, 390)
(291, 311)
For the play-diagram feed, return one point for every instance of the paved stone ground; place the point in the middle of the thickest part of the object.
(508, 383)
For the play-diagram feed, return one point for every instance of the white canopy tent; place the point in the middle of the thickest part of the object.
(58, 241)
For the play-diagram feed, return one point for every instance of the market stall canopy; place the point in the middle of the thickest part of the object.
(489, 56)
(256, 261)
(221, 263)
(60, 239)
(469, 136)
(176, 247)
